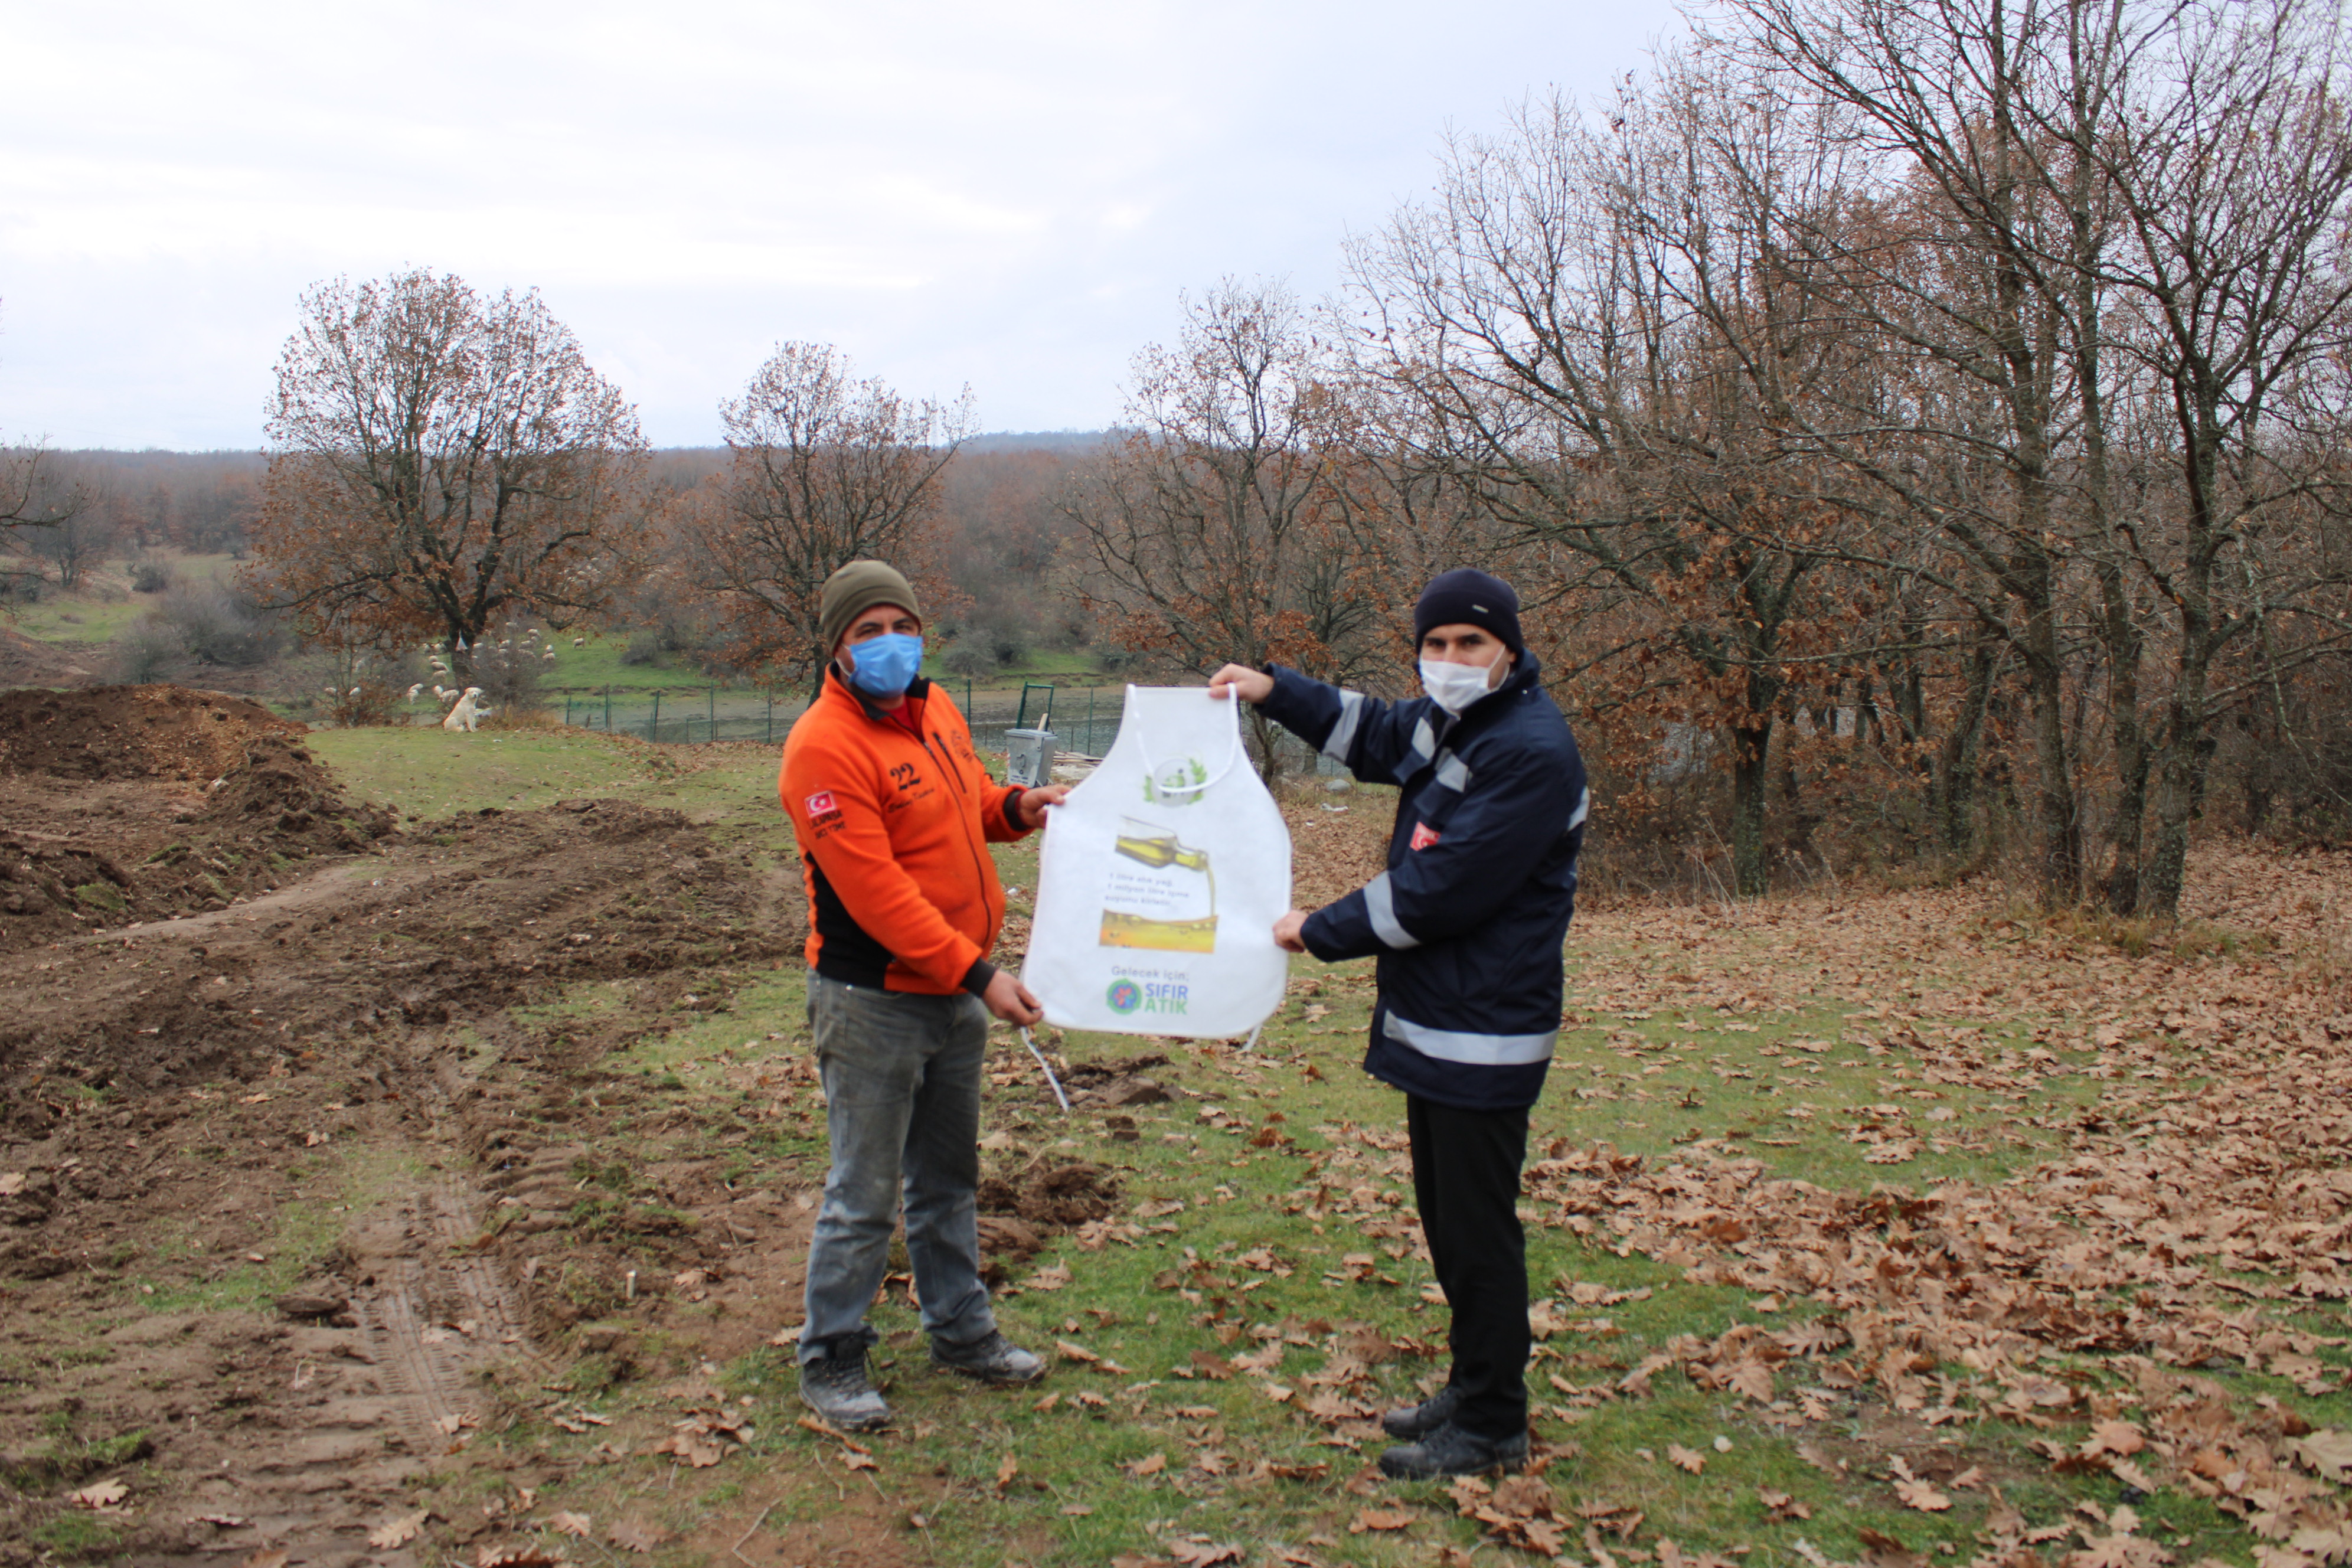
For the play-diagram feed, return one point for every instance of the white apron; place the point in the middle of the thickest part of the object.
(1161, 878)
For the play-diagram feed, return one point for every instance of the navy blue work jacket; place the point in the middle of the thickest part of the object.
(1469, 916)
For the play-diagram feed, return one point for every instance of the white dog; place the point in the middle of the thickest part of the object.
(466, 713)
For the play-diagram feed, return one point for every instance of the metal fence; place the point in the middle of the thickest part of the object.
(1084, 718)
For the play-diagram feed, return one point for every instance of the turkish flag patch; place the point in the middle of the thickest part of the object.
(1423, 836)
(824, 813)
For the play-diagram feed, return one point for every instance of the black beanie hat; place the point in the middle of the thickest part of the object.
(1468, 596)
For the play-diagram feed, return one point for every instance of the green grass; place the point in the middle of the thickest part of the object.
(942, 1461)
(302, 1231)
(1302, 1158)
(104, 609)
(434, 773)
(597, 665)
(74, 1534)
(79, 617)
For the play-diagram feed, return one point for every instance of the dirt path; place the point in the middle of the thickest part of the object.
(259, 1161)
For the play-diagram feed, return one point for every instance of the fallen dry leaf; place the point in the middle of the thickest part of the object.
(1379, 1518)
(1686, 1458)
(525, 1554)
(99, 1494)
(630, 1535)
(399, 1530)
(1149, 1464)
(1006, 1471)
(573, 1525)
(1921, 1496)
(1203, 1553)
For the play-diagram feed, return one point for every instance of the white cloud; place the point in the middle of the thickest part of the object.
(1009, 197)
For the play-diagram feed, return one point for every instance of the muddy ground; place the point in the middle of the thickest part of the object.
(303, 1181)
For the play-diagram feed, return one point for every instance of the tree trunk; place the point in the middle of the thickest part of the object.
(1963, 754)
(1751, 746)
(2057, 839)
(2120, 631)
(2180, 778)
(1267, 732)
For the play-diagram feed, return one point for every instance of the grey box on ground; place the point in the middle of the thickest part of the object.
(1028, 757)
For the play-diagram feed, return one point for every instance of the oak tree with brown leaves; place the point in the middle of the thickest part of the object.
(1216, 529)
(827, 467)
(441, 459)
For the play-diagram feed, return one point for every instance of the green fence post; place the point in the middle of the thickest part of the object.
(772, 720)
(1090, 723)
(608, 710)
(653, 725)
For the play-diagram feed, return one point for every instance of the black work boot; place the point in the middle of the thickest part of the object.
(1418, 1421)
(991, 1358)
(835, 1385)
(1451, 1451)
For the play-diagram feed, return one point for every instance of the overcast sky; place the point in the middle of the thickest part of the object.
(1008, 196)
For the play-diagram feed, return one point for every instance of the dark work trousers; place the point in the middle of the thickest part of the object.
(1466, 1177)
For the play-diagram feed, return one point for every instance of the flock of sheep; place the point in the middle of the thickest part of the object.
(462, 707)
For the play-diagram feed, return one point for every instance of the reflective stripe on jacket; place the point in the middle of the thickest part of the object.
(894, 833)
(1468, 919)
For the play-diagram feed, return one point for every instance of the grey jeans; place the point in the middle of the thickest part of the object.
(901, 1076)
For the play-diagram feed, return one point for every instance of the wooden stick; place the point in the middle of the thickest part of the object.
(738, 1548)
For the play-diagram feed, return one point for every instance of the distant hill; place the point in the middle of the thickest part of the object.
(1074, 443)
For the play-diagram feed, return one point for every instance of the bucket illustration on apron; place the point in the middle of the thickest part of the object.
(1161, 893)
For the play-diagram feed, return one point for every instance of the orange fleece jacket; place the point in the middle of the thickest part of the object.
(894, 831)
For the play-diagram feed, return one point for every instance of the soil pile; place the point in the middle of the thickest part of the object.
(25, 662)
(135, 802)
(456, 922)
(132, 732)
(1057, 1194)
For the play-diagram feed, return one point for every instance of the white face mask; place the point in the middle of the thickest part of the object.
(1455, 686)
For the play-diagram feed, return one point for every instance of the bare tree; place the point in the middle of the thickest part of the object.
(1214, 530)
(440, 460)
(827, 469)
(1598, 345)
(75, 538)
(2235, 187)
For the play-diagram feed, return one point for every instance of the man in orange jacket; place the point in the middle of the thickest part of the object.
(894, 814)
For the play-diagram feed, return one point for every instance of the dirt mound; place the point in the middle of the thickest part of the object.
(451, 924)
(142, 803)
(1109, 1085)
(132, 732)
(25, 662)
(1056, 1194)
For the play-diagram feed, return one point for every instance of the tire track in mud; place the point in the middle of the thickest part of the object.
(363, 1409)
(161, 1089)
(437, 1314)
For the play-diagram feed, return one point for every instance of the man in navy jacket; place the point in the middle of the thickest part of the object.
(1468, 923)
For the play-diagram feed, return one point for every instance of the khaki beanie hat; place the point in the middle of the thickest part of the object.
(856, 588)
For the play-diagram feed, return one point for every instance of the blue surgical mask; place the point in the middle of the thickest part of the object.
(886, 666)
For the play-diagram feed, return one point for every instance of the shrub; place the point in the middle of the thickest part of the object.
(150, 575)
(148, 652)
(645, 647)
(218, 626)
(969, 660)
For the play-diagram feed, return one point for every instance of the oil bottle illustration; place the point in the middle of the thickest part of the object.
(1162, 895)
